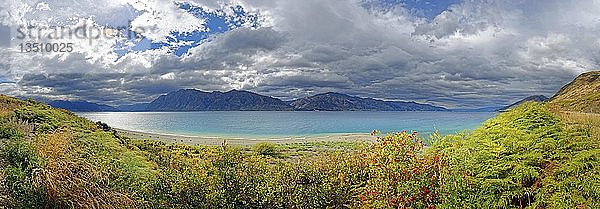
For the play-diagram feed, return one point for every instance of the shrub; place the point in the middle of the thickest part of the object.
(265, 148)
(401, 174)
(10, 131)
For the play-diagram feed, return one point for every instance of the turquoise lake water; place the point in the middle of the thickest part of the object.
(278, 124)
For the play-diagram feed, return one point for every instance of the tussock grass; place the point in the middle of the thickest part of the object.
(69, 180)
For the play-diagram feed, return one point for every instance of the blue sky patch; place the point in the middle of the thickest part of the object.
(216, 22)
(423, 8)
(5, 80)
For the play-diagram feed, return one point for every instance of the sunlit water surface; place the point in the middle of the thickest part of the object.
(279, 124)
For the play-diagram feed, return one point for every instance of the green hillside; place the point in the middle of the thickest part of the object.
(581, 95)
(528, 157)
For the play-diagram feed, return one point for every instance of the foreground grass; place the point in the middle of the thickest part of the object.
(527, 157)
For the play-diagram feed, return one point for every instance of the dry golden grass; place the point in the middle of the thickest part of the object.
(69, 180)
(588, 121)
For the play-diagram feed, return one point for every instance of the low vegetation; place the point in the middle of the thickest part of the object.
(528, 157)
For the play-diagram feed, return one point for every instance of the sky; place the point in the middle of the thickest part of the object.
(452, 53)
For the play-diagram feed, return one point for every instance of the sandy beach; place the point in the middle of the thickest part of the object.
(210, 140)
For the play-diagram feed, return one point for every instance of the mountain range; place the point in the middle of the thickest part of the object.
(239, 100)
(341, 102)
(582, 94)
(81, 106)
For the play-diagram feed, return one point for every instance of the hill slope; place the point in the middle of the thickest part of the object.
(581, 95)
(342, 102)
(534, 98)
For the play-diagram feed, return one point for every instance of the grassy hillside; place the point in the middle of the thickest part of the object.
(581, 95)
(526, 157)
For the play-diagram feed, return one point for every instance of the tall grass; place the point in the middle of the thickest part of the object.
(69, 180)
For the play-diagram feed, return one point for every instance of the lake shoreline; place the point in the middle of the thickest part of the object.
(218, 140)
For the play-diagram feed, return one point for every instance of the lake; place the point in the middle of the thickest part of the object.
(254, 124)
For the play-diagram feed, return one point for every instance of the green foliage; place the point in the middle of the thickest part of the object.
(22, 165)
(231, 177)
(266, 149)
(402, 175)
(10, 131)
(66, 161)
(515, 160)
(43, 120)
(325, 145)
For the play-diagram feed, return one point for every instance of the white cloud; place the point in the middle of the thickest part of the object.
(477, 53)
(168, 76)
(42, 6)
(160, 18)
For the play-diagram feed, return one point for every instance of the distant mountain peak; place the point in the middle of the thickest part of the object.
(233, 100)
(241, 91)
(540, 98)
(333, 101)
(334, 93)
